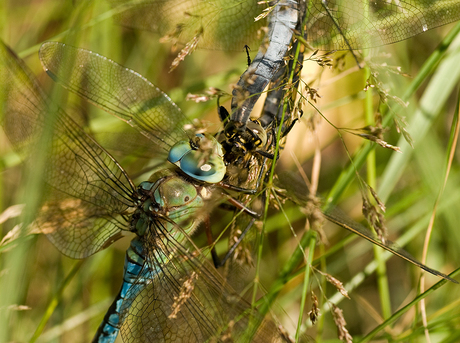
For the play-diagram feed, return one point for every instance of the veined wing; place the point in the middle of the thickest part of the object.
(331, 24)
(187, 300)
(366, 24)
(298, 192)
(118, 90)
(86, 188)
(217, 24)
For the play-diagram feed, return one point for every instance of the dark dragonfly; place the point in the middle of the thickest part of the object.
(169, 291)
(328, 25)
(250, 154)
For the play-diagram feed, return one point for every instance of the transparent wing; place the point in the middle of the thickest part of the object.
(78, 228)
(365, 24)
(297, 191)
(85, 187)
(219, 24)
(118, 90)
(331, 24)
(186, 300)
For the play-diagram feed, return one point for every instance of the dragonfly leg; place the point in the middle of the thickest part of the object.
(267, 155)
(210, 239)
(247, 48)
(238, 189)
(289, 128)
(235, 245)
(242, 207)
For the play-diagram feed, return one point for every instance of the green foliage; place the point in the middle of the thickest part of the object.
(38, 294)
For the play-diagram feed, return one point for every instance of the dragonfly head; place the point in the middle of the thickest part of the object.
(243, 143)
(233, 129)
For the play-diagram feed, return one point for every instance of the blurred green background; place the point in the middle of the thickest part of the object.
(32, 271)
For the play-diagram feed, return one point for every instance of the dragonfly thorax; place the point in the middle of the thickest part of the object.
(241, 146)
(166, 198)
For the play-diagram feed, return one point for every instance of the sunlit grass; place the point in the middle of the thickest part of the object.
(33, 273)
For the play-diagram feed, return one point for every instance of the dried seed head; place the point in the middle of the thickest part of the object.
(188, 49)
(375, 219)
(265, 12)
(210, 93)
(185, 293)
(338, 285)
(314, 312)
(340, 322)
(197, 97)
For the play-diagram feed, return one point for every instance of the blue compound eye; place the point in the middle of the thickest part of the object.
(203, 162)
(178, 151)
(146, 185)
(212, 170)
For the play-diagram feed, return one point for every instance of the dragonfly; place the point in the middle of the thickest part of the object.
(250, 154)
(169, 290)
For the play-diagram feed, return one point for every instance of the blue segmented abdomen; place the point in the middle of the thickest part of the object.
(134, 271)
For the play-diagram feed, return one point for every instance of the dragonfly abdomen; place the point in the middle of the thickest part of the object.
(136, 274)
(282, 22)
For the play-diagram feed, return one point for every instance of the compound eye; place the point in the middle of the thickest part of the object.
(211, 170)
(146, 185)
(201, 160)
(178, 151)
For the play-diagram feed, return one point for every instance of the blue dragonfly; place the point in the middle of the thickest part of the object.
(169, 290)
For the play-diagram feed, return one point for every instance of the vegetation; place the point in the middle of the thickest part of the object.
(49, 297)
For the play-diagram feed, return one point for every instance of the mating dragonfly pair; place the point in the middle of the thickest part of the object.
(168, 292)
